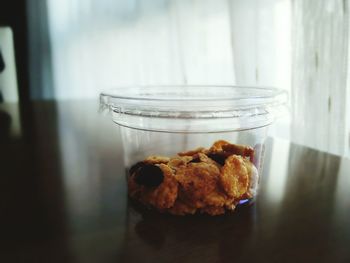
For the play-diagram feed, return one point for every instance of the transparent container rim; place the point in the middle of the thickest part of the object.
(132, 92)
(151, 107)
(194, 108)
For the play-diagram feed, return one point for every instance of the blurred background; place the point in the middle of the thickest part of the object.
(72, 49)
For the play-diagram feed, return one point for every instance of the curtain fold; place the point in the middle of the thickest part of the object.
(320, 63)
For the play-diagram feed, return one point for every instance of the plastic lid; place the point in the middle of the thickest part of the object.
(142, 107)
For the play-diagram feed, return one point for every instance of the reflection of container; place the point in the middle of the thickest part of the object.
(167, 120)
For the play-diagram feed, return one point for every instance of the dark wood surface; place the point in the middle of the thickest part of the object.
(63, 199)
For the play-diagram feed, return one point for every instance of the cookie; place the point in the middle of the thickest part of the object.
(179, 161)
(192, 152)
(235, 176)
(253, 181)
(159, 196)
(199, 182)
(155, 159)
(210, 181)
(224, 148)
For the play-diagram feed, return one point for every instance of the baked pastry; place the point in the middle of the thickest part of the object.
(210, 181)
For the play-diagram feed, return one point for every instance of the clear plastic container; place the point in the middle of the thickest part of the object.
(166, 120)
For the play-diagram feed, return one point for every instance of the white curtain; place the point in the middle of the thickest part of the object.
(100, 44)
(97, 44)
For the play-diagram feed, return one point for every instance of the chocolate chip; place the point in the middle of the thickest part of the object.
(220, 159)
(149, 175)
(195, 160)
(135, 167)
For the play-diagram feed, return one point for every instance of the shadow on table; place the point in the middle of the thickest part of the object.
(5, 124)
(204, 237)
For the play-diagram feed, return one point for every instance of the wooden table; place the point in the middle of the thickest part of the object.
(63, 199)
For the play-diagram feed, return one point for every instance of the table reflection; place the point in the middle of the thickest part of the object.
(10, 121)
(276, 175)
(302, 199)
(152, 232)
